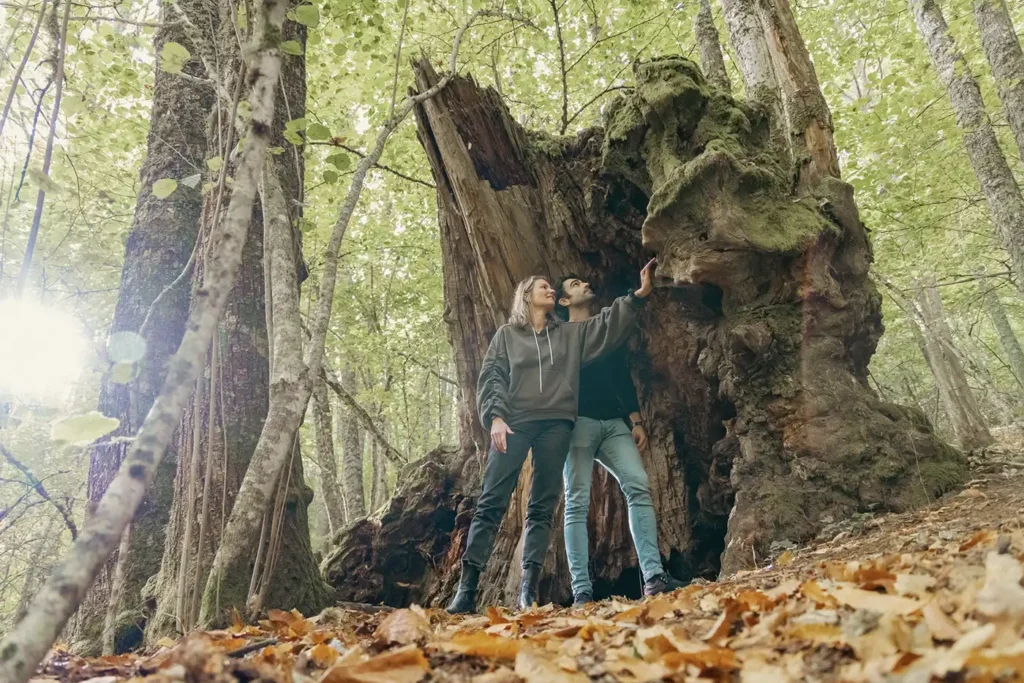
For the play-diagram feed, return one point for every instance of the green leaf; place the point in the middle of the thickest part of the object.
(83, 429)
(341, 161)
(307, 15)
(242, 17)
(276, 150)
(192, 181)
(215, 163)
(331, 176)
(173, 57)
(296, 124)
(43, 181)
(318, 131)
(291, 47)
(122, 373)
(293, 137)
(164, 188)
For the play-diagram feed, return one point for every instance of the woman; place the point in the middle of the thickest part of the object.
(527, 398)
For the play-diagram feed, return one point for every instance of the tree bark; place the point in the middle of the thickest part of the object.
(240, 409)
(1005, 203)
(379, 480)
(1002, 47)
(760, 81)
(751, 361)
(351, 452)
(964, 415)
(161, 238)
(710, 48)
(1007, 337)
(807, 113)
(334, 503)
(28, 643)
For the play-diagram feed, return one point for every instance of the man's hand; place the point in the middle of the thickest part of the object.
(640, 437)
(646, 286)
(499, 430)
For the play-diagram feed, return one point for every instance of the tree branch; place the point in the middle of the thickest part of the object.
(362, 155)
(21, 66)
(561, 67)
(62, 507)
(364, 417)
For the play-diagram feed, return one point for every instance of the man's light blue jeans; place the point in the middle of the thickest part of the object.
(610, 443)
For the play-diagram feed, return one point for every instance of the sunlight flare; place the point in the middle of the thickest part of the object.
(42, 350)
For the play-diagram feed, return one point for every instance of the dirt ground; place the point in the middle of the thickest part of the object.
(933, 594)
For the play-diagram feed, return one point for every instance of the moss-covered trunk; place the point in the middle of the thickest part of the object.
(162, 236)
(750, 364)
(238, 410)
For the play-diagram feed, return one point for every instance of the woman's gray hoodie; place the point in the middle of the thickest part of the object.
(529, 375)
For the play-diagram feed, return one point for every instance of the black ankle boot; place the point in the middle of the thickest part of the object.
(529, 587)
(464, 601)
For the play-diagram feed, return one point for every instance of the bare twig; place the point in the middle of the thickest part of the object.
(362, 155)
(37, 485)
(398, 58)
(48, 157)
(364, 417)
(21, 66)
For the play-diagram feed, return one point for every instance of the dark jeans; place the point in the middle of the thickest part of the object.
(550, 442)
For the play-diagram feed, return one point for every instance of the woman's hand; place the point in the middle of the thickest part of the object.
(646, 286)
(640, 437)
(499, 430)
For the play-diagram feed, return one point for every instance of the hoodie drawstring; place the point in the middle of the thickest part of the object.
(540, 364)
(540, 361)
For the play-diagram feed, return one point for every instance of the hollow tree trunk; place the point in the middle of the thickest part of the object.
(962, 409)
(238, 411)
(1005, 203)
(1007, 337)
(1002, 47)
(751, 365)
(322, 419)
(710, 48)
(162, 236)
(351, 452)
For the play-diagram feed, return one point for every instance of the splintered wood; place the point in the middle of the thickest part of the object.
(926, 596)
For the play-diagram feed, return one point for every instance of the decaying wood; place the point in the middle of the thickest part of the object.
(751, 361)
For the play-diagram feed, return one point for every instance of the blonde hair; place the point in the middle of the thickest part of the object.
(519, 316)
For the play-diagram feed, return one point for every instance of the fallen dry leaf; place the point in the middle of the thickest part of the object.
(483, 645)
(720, 631)
(405, 665)
(402, 627)
(495, 616)
(813, 591)
(323, 655)
(940, 625)
(914, 584)
(533, 667)
(876, 602)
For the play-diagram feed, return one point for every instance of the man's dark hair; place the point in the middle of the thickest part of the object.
(561, 310)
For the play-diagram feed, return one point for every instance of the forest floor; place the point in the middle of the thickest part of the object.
(934, 594)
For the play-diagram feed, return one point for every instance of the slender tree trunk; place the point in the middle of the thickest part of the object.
(965, 416)
(807, 113)
(1007, 337)
(752, 365)
(710, 48)
(162, 236)
(37, 570)
(322, 417)
(1002, 47)
(1005, 203)
(379, 482)
(351, 452)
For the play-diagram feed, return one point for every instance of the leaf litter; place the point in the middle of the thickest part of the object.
(929, 595)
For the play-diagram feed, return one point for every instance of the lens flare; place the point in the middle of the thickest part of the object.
(42, 350)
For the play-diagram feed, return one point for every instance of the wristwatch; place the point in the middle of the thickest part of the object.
(636, 423)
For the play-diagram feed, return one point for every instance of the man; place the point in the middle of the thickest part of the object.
(607, 398)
